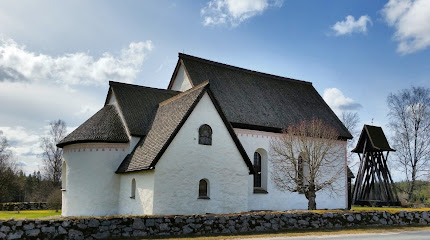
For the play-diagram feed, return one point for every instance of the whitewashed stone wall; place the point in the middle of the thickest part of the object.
(142, 204)
(91, 183)
(185, 162)
(275, 199)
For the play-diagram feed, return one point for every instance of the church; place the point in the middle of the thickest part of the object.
(200, 146)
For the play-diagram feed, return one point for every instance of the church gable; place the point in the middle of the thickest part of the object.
(180, 80)
(202, 170)
(170, 117)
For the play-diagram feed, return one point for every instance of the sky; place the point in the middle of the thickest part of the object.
(57, 57)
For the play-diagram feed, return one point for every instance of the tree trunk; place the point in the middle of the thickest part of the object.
(411, 186)
(311, 196)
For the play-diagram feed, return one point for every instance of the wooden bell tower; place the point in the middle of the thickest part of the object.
(373, 185)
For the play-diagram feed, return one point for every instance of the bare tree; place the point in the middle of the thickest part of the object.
(52, 155)
(410, 121)
(351, 120)
(4, 154)
(308, 158)
(7, 171)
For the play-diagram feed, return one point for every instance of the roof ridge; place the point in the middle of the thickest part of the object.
(167, 101)
(140, 86)
(275, 77)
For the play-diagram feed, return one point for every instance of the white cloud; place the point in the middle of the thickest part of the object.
(234, 12)
(411, 19)
(24, 144)
(350, 25)
(338, 102)
(18, 64)
(36, 88)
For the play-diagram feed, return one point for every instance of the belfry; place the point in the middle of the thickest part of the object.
(374, 185)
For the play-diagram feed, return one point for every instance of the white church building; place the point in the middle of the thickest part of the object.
(200, 146)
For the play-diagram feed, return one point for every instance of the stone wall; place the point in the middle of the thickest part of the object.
(102, 228)
(14, 206)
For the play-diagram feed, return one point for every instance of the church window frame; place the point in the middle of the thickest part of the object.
(260, 165)
(205, 135)
(64, 176)
(204, 188)
(133, 189)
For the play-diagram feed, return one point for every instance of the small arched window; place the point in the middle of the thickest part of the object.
(203, 189)
(257, 170)
(63, 176)
(133, 189)
(205, 135)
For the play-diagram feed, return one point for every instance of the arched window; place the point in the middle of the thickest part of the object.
(133, 189)
(205, 135)
(63, 176)
(260, 171)
(203, 189)
(257, 170)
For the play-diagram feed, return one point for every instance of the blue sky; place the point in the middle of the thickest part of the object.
(56, 57)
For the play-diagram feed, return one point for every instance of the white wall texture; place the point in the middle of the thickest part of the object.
(181, 82)
(93, 188)
(185, 162)
(276, 199)
(142, 204)
(92, 185)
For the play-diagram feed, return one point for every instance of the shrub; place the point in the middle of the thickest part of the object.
(54, 200)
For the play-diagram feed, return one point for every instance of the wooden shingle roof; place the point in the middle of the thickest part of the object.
(104, 126)
(372, 138)
(170, 117)
(255, 100)
(138, 104)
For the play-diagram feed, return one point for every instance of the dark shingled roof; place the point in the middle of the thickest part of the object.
(170, 117)
(374, 139)
(104, 126)
(167, 121)
(260, 101)
(139, 104)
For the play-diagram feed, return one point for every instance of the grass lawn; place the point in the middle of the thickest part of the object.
(46, 213)
(387, 209)
(28, 214)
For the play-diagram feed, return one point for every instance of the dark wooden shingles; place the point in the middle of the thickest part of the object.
(258, 99)
(170, 116)
(104, 126)
(373, 139)
(139, 105)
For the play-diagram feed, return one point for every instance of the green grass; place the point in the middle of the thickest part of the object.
(47, 213)
(28, 214)
(388, 209)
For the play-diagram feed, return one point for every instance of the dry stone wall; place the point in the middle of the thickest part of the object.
(14, 206)
(125, 227)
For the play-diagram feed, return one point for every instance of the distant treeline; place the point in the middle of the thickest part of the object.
(420, 195)
(15, 186)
